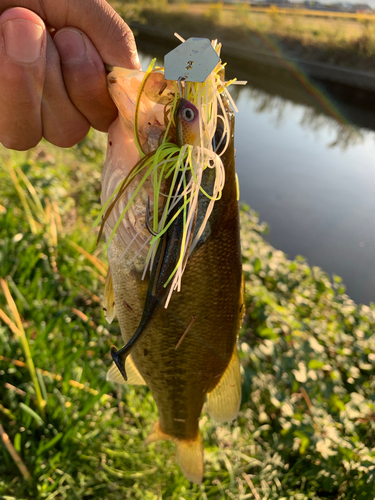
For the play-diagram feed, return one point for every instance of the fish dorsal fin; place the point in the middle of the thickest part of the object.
(189, 453)
(134, 377)
(109, 299)
(225, 399)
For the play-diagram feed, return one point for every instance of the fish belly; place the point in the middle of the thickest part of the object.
(180, 378)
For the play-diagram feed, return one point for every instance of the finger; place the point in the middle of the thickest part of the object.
(108, 32)
(22, 63)
(63, 124)
(85, 77)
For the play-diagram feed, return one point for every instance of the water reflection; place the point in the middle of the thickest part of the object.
(312, 180)
(313, 118)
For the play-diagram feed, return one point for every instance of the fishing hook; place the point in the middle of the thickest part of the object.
(151, 231)
(182, 79)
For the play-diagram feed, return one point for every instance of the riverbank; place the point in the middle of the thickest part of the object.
(306, 426)
(334, 49)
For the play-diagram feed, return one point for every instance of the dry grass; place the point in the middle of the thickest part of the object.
(336, 38)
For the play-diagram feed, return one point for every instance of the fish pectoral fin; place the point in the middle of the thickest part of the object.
(224, 400)
(114, 375)
(134, 377)
(189, 452)
(109, 299)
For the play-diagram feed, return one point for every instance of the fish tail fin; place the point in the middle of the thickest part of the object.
(189, 453)
(224, 401)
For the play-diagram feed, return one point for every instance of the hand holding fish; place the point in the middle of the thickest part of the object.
(53, 80)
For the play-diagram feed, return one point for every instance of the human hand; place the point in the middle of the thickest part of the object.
(52, 75)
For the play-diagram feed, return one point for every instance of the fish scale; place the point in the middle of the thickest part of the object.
(205, 364)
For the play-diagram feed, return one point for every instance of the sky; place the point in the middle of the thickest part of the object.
(371, 3)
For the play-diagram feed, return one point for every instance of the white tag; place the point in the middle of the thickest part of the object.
(192, 61)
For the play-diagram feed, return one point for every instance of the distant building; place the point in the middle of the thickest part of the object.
(362, 7)
(337, 6)
(313, 5)
(282, 3)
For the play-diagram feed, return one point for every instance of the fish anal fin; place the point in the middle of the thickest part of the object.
(157, 435)
(224, 400)
(134, 377)
(189, 452)
(109, 299)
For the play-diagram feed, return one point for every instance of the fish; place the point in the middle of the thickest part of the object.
(187, 121)
(187, 353)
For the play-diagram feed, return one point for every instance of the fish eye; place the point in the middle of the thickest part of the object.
(188, 114)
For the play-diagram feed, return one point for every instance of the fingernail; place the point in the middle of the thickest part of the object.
(70, 45)
(23, 40)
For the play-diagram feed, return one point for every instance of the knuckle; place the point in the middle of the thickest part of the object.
(83, 83)
(129, 40)
(128, 37)
(68, 137)
(123, 37)
(19, 144)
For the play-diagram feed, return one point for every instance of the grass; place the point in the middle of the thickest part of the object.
(335, 38)
(307, 420)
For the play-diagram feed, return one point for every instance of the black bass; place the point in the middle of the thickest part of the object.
(187, 352)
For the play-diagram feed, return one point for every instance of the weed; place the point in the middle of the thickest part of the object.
(306, 428)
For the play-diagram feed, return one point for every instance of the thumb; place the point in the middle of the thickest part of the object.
(22, 62)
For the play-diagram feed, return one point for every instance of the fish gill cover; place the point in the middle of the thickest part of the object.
(176, 165)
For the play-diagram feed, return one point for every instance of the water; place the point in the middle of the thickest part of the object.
(310, 178)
